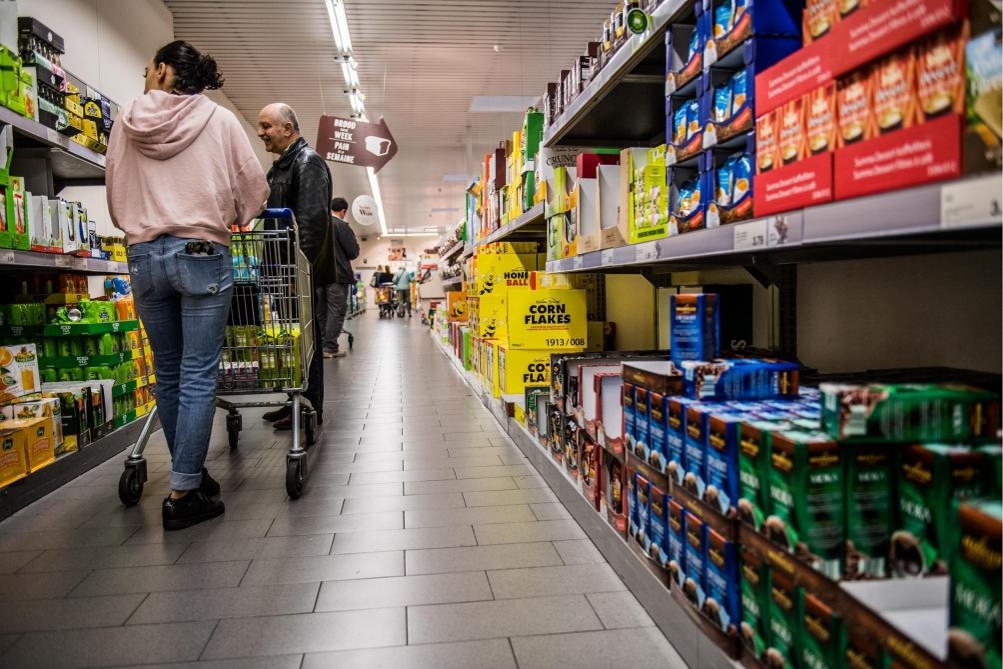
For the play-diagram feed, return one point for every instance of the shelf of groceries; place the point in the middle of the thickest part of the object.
(792, 524)
(85, 163)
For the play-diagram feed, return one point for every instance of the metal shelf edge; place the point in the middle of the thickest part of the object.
(18, 258)
(882, 215)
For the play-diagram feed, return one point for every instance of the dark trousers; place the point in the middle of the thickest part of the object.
(315, 376)
(332, 314)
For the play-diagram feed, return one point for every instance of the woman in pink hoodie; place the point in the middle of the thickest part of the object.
(181, 172)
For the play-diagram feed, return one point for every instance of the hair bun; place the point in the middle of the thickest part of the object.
(208, 72)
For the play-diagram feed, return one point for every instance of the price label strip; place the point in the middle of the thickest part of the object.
(577, 263)
(750, 236)
(971, 203)
(607, 257)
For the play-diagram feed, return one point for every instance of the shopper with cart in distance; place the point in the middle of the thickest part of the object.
(346, 249)
(402, 284)
(301, 181)
(180, 173)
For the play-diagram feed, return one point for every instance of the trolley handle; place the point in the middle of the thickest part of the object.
(277, 213)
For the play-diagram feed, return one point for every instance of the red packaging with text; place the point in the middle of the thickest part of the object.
(854, 108)
(792, 132)
(894, 89)
(766, 141)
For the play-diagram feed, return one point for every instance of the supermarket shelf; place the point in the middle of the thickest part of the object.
(455, 281)
(70, 161)
(36, 260)
(631, 85)
(68, 467)
(453, 250)
(946, 215)
(530, 222)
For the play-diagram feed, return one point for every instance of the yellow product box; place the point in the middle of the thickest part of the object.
(490, 364)
(46, 407)
(595, 338)
(38, 445)
(547, 319)
(456, 306)
(489, 270)
(518, 368)
(649, 215)
(18, 371)
(506, 248)
(519, 413)
(13, 458)
(489, 318)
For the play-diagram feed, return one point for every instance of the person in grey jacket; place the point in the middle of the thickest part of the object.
(346, 249)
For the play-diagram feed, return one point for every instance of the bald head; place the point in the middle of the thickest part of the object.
(278, 126)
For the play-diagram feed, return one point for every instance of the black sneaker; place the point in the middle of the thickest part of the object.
(209, 485)
(278, 414)
(189, 510)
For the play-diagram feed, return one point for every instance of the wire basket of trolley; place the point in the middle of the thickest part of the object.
(386, 299)
(268, 347)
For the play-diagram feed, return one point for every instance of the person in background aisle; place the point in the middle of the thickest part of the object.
(180, 173)
(301, 181)
(346, 249)
(402, 284)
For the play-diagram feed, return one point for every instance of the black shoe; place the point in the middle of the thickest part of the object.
(189, 510)
(278, 414)
(209, 485)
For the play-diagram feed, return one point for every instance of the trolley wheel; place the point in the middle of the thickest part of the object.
(295, 477)
(310, 427)
(351, 341)
(234, 425)
(130, 486)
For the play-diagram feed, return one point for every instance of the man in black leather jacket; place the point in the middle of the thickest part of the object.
(301, 181)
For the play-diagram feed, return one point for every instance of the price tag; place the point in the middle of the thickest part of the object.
(969, 203)
(79, 263)
(53, 136)
(577, 262)
(750, 236)
(607, 257)
(7, 257)
(647, 252)
(61, 261)
(553, 266)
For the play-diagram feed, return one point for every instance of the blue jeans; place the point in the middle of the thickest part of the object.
(184, 301)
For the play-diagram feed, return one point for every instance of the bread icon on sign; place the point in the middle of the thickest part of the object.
(378, 146)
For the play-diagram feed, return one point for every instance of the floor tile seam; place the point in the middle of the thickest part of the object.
(600, 628)
(208, 641)
(511, 648)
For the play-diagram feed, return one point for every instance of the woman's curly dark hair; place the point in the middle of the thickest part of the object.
(194, 71)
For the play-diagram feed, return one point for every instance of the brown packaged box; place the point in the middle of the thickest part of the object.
(895, 91)
(940, 73)
(854, 108)
(821, 119)
(767, 136)
(792, 132)
(818, 19)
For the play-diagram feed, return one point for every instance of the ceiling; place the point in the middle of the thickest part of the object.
(420, 63)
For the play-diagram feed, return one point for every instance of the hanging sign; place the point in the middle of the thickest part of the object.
(348, 141)
(364, 210)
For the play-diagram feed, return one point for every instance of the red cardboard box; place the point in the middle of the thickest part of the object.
(587, 164)
(909, 157)
(856, 40)
(803, 184)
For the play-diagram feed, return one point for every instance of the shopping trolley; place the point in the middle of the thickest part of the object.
(386, 300)
(268, 347)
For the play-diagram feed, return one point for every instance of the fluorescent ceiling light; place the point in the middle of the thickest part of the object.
(399, 233)
(463, 178)
(443, 210)
(503, 103)
(374, 186)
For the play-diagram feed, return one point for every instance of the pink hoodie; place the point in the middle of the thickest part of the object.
(181, 165)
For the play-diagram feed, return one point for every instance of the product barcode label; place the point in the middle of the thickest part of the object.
(856, 421)
(79, 263)
(577, 262)
(750, 236)
(7, 257)
(61, 261)
(973, 202)
(607, 257)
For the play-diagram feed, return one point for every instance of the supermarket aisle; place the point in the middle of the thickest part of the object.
(423, 540)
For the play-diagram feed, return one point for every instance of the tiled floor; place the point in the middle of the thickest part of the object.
(423, 540)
